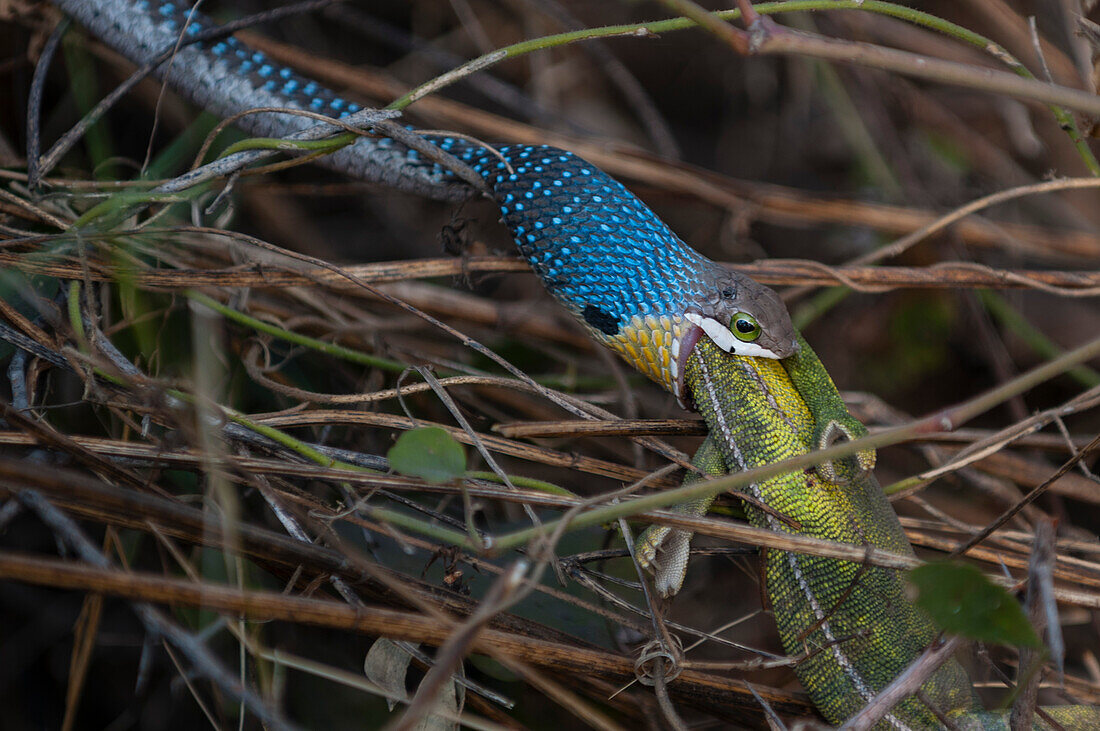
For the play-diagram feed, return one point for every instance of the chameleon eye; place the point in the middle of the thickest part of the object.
(744, 327)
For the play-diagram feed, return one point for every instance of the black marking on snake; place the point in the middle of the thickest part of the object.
(602, 320)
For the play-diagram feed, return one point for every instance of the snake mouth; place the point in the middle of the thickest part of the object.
(721, 336)
(687, 344)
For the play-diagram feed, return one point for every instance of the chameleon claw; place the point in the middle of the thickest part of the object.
(674, 546)
(827, 472)
(648, 544)
(864, 459)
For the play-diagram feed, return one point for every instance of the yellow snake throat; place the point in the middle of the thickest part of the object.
(652, 345)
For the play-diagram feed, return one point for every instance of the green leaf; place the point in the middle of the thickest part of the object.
(962, 601)
(430, 453)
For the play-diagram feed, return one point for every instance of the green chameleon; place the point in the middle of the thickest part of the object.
(856, 621)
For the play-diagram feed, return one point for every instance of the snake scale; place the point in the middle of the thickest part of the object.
(720, 342)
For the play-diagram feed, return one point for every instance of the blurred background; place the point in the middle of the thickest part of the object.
(746, 159)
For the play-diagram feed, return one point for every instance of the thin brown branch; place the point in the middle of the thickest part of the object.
(692, 686)
(772, 203)
(1029, 498)
(945, 275)
(903, 686)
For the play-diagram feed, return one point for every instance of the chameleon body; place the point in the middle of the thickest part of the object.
(856, 620)
(677, 317)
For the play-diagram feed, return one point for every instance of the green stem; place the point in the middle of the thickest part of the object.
(75, 319)
(431, 530)
(337, 351)
(124, 204)
(945, 420)
(278, 143)
(526, 483)
(293, 444)
(1007, 315)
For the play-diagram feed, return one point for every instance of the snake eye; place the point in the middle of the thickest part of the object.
(744, 327)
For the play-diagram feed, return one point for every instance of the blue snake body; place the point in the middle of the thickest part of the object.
(597, 248)
(228, 78)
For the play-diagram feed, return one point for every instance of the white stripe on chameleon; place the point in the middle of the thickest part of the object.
(792, 560)
(725, 340)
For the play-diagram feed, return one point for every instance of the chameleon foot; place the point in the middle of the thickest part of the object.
(843, 471)
(669, 570)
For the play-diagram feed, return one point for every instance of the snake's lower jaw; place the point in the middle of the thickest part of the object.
(687, 344)
(711, 329)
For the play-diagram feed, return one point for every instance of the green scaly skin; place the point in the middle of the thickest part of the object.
(830, 415)
(855, 619)
(831, 420)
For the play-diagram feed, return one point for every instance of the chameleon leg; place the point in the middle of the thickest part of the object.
(664, 550)
(832, 421)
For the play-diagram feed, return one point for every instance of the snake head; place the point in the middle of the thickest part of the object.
(744, 317)
(741, 317)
